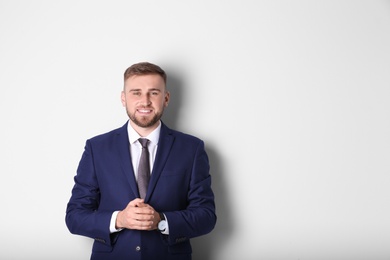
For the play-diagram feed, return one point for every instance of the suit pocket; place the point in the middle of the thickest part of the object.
(171, 173)
(99, 247)
(181, 248)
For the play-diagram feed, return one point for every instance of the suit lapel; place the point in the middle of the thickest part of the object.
(125, 158)
(164, 147)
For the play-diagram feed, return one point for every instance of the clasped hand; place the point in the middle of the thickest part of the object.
(138, 215)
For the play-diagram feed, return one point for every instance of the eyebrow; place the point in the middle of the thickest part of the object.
(151, 89)
(154, 89)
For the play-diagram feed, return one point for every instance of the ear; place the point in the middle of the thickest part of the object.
(167, 96)
(123, 98)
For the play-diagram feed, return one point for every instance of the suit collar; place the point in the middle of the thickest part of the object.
(123, 146)
(164, 147)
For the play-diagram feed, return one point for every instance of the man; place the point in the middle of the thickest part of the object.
(113, 202)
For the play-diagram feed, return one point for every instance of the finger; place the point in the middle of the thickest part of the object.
(136, 202)
(141, 225)
(144, 211)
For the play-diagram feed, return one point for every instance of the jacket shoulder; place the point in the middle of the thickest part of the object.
(108, 136)
(184, 138)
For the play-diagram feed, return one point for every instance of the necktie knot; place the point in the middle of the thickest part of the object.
(144, 142)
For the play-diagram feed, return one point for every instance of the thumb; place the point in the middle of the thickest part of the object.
(136, 202)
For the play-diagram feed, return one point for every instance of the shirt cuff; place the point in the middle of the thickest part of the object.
(166, 231)
(113, 222)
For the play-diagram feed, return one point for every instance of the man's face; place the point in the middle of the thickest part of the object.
(145, 98)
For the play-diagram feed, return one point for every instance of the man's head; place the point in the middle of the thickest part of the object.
(145, 96)
(144, 68)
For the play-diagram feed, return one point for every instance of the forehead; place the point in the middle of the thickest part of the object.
(145, 81)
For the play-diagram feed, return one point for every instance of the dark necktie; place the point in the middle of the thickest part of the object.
(143, 168)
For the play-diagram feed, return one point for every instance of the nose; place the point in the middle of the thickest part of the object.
(145, 100)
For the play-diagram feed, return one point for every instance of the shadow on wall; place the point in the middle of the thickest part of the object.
(204, 247)
(171, 114)
(207, 247)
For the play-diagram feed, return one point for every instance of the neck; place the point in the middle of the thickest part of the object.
(144, 131)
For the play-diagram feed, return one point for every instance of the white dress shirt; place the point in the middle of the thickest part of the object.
(135, 152)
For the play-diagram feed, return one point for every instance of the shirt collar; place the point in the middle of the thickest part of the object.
(153, 136)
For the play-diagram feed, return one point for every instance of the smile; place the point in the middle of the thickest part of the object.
(144, 111)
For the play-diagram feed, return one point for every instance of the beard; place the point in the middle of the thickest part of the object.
(143, 121)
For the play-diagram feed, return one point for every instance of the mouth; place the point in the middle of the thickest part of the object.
(144, 111)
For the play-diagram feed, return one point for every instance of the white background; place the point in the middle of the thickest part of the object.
(291, 98)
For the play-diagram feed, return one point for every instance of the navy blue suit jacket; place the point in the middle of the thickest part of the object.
(180, 187)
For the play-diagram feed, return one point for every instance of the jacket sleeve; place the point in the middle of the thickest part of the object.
(199, 217)
(83, 216)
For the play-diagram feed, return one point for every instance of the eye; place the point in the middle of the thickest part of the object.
(154, 93)
(136, 93)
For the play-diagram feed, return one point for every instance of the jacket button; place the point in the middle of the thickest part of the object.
(137, 248)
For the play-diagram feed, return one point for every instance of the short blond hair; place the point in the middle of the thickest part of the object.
(144, 68)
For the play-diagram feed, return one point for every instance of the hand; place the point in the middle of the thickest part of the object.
(138, 215)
